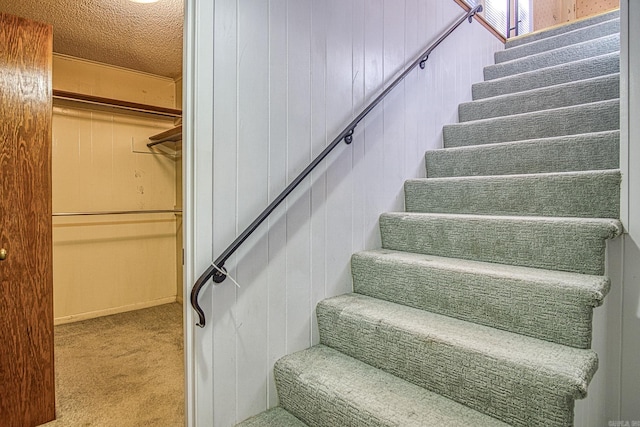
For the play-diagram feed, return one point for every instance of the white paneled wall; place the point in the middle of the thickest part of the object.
(615, 390)
(287, 76)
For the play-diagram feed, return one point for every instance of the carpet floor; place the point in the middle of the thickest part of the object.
(121, 370)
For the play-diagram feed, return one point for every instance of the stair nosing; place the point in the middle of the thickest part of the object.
(549, 219)
(595, 172)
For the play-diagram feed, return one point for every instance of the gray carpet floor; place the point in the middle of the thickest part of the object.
(121, 370)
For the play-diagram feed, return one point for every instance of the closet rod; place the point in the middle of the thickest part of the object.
(117, 212)
(116, 103)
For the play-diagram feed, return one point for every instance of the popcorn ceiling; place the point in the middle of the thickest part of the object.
(143, 37)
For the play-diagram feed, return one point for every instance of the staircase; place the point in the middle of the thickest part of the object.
(477, 310)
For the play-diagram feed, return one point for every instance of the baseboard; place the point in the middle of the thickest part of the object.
(115, 310)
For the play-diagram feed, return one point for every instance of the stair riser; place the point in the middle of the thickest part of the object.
(562, 29)
(595, 117)
(559, 74)
(581, 92)
(563, 55)
(484, 297)
(575, 246)
(566, 39)
(580, 194)
(572, 153)
(494, 387)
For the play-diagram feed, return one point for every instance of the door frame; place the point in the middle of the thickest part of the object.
(198, 203)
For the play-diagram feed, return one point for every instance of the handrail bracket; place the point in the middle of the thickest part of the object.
(348, 138)
(423, 62)
(219, 274)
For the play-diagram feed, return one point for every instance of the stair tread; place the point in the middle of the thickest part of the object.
(592, 151)
(543, 77)
(561, 95)
(593, 287)
(520, 176)
(567, 38)
(557, 243)
(558, 194)
(520, 380)
(559, 29)
(561, 55)
(519, 299)
(275, 417)
(568, 369)
(353, 393)
(591, 117)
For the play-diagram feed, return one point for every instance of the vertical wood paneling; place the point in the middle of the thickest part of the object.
(277, 224)
(253, 150)
(359, 167)
(338, 112)
(288, 76)
(299, 311)
(412, 45)
(318, 47)
(222, 372)
(630, 62)
(394, 114)
(373, 124)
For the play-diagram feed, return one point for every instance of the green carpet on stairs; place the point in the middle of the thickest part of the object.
(513, 298)
(582, 152)
(478, 309)
(587, 68)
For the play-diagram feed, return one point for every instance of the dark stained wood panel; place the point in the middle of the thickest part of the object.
(26, 280)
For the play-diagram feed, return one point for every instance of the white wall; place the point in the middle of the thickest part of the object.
(287, 75)
(614, 393)
(630, 349)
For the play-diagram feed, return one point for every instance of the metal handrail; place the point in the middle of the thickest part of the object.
(216, 270)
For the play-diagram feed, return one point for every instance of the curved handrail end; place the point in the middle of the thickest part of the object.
(218, 274)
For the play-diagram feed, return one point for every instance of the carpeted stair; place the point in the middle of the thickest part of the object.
(477, 310)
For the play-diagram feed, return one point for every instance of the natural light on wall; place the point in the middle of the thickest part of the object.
(144, 1)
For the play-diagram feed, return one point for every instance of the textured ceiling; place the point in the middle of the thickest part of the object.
(144, 37)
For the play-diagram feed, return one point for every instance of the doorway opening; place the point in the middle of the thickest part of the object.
(117, 209)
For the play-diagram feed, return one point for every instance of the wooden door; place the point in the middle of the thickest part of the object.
(26, 279)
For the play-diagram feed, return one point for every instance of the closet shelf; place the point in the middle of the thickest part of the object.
(116, 103)
(173, 134)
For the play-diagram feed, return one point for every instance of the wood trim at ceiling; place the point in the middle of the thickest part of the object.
(482, 21)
